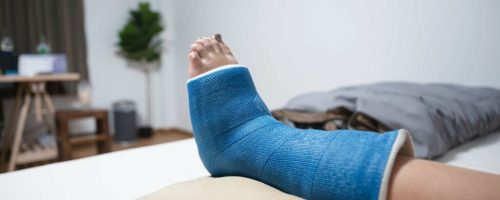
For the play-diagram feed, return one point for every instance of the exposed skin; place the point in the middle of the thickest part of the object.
(207, 54)
(424, 179)
(410, 179)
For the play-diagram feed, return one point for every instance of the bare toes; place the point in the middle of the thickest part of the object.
(195, 64)
(207, 54)
(218, 47)
(199, 48)
(209, 44)
(225, 49)
(195, 59)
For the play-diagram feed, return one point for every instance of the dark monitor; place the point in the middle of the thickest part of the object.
(8, 63)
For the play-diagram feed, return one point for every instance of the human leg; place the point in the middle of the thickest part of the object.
(423, 179)
(236, 136)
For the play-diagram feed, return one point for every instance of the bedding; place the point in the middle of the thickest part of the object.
(481, 154)
(127, 174)
(135, 173)
(438, 116)
(223, 188)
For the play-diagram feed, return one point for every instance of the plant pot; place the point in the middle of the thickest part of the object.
(145, 131)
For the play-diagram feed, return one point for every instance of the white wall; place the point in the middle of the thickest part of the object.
(299, 46)
(111, 78)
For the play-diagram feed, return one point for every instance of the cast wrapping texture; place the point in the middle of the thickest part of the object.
(236, 136)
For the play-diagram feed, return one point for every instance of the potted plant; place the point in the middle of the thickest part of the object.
(140, 45)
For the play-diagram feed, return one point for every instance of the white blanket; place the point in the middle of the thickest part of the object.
(133, 173)
(481, 154)
(127, 174)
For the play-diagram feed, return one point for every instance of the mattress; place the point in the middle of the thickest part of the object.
(133, 173)
(127, 174)
(481, 154)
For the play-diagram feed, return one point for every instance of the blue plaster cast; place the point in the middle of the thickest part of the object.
(236, 136)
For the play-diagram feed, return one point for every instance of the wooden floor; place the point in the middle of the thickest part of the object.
(159, 136)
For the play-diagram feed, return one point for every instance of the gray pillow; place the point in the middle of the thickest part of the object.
(438, 116)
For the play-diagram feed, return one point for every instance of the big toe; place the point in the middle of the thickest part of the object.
(195, 64)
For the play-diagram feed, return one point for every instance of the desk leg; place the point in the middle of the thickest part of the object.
(19, 131)
(8, 130)
(48, 100)
(37, 90)
(49, 115)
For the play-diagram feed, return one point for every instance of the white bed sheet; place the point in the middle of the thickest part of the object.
(125, 174)
(133, 173)
(481, 154)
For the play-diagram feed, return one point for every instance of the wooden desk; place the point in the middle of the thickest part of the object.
(40, 78)
(30, 87)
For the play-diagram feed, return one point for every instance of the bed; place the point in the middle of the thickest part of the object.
(127, 174)
(133, 173)
(481, 154)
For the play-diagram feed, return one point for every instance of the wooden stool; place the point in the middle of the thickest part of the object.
(65, 141)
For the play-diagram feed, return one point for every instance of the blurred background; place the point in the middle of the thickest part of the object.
(295, 46)
(110, 75)
(291, 47)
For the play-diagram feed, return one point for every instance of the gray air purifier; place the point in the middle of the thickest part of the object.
(124, 114)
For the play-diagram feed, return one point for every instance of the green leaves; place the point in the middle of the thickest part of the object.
(138, 38)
